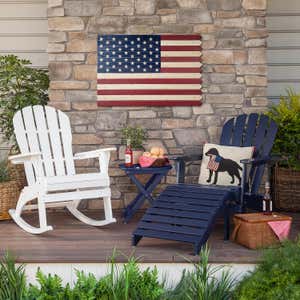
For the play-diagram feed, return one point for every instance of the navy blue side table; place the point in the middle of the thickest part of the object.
(144, 190)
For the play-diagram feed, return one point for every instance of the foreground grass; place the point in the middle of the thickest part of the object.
(126, 283)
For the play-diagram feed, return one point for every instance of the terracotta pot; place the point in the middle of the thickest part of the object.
(136, 154)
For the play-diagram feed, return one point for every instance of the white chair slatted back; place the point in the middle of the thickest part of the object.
(45, 130)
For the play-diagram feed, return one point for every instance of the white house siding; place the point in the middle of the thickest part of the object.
(283, 23)
(23, 32)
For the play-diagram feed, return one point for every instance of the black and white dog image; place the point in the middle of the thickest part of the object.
(225, 165)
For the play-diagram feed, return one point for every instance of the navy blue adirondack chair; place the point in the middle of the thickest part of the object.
(187, 212)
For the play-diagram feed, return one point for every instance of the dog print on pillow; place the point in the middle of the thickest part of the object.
(221, 164)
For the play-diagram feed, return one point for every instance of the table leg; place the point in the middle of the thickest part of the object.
(145, 193)
(138, 200)
(145, 190)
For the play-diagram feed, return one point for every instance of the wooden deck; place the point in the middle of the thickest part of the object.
(72, 242)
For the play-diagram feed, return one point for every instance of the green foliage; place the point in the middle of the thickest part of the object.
(4, 172)
(50, 288)
(276, 278)
(287, 116)
(202, 283)
(132, 283)
(12, 279)
(20, 86)
(121, 283)
(87, 287)
(137, 136)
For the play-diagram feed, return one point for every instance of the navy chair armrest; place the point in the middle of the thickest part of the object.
(180, 164)
(270, 159)
(186, 158)
(256, 161)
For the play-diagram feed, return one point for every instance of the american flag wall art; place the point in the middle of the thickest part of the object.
(149, 70)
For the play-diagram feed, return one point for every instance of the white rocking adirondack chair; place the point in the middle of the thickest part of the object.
(45, 141)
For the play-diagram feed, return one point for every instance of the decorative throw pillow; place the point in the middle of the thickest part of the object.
(221, 164)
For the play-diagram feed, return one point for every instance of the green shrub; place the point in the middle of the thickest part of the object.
(277, 277)
(50, 288)
(20, 86)
(4, 172)
(126, 283)
(12, 279)
(132, 283)
(287, 116)
(87, 287)
(202, 283)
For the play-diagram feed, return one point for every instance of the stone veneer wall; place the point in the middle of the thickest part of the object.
(234, 72)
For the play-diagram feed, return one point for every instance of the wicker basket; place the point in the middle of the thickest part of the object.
(286, 189)
(252, 230)
(160, 162)
(9, 195)
(16, 172)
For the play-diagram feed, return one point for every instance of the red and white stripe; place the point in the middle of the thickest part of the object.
(212, 164)
(178, 83)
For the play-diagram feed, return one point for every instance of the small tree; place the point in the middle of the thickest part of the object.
(20, 86)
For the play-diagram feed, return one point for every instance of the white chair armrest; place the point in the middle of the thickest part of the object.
(102, 154)
(25, 157)
(93, 153)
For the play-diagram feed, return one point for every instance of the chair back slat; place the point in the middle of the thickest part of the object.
(270, 137)
(256, 174)
(260, 134)
(32, 136)
(238, 133)
(226, 135)
(21, 137)
(66, 140)
(45, 130)
(43, 135)
(55, 139)
(250, 130)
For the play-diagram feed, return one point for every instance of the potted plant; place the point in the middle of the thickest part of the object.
(286, 174)
(137, 137)
(9, 193)
(20, 86)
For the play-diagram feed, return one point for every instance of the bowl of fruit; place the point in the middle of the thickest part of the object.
(154, 158)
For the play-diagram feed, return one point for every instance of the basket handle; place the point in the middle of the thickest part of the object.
(235, 231)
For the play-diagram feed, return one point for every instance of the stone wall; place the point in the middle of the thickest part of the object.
(234, 73)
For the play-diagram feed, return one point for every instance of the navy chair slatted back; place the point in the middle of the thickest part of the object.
(251, 130)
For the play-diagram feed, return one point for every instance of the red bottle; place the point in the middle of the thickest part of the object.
(128, 155)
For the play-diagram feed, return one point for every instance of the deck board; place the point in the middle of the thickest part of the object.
(74, 242)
